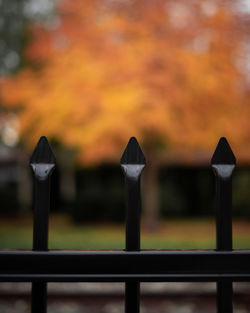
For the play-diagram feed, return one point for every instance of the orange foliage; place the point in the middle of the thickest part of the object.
(163, 71)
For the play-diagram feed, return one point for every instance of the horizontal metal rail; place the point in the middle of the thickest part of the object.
(124, 266)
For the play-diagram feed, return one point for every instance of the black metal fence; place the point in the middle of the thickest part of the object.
(131, 265)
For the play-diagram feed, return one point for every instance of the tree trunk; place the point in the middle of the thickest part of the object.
(24, 182)
(151, 197)
(66, 160)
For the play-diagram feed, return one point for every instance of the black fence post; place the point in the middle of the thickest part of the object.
(223, 163)
(42, 163)
(132, 163)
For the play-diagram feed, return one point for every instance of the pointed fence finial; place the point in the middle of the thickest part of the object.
(223, 154)
(133, 153)
(42, 159)
(42, 153)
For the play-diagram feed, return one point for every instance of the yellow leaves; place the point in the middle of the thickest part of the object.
(117, 70)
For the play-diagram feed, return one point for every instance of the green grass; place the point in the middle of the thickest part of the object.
(173, 234)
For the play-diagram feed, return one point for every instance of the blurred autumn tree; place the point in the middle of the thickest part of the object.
(171, 73)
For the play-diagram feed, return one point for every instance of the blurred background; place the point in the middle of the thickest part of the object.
(91, 74)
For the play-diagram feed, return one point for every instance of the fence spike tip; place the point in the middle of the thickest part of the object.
(133, 153)
(223, 153)
(43, 153)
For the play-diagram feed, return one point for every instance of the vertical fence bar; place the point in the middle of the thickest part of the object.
(132, 163)
(223, 163)
(42, 163)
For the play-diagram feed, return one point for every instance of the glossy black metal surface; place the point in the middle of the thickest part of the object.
(153, 265)
(223, 164)
(132, 163)
(132, 265)
(42, 163)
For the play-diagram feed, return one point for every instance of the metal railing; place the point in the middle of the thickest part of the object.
(131, 265)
